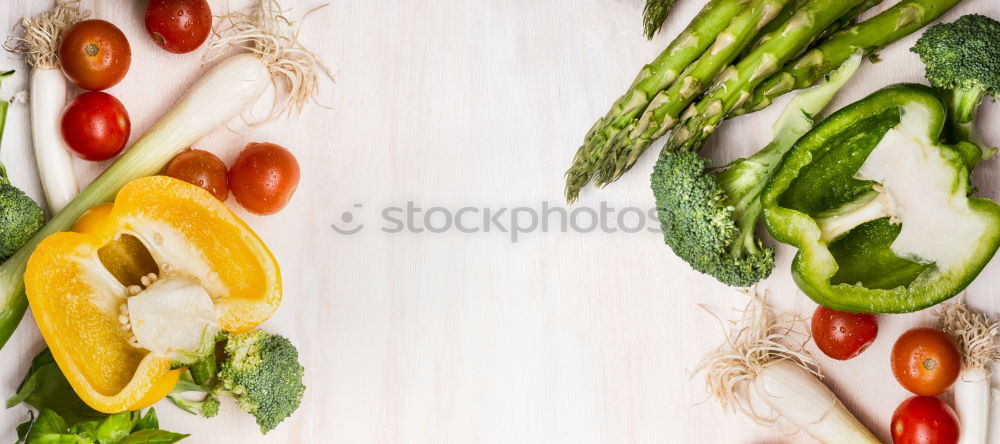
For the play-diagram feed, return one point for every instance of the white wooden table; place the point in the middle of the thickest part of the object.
(469, 337)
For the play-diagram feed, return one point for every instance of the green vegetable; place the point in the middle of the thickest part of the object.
(879, 209)
(708, 217)
(734, 85)
(654, 14)
(261, 371)
(121, 428)
(20, 217)
(654, 77)
(963, 59)
(207, 406)
(665, 108)
(64, 418)
(45, 388)
(870, 35)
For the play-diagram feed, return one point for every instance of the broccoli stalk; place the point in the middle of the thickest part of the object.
(962, 59)
(207, 406)
(708, 217)
(259, 370)
(20, 217)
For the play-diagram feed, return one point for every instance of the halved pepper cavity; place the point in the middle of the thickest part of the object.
(145, 286)
(879, 208)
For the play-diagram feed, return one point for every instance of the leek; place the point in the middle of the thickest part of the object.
(39, 45)
(977, 338)
(762, 360)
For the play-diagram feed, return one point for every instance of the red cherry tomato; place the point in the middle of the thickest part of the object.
(843, 335)
(94, 54)
(926, 361)
(179, 26)
(96, 126)
(203, 169)
(924, 420)
(264, 178)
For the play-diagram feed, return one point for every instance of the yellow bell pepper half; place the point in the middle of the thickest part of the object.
(81, 287)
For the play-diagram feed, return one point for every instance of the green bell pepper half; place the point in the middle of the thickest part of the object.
(858, 271)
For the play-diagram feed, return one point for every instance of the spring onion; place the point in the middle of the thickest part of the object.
(272, 55)
(39, 45)
(978, 339)
(761, 360)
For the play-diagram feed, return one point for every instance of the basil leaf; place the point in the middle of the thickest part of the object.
(86, 429)
(48, 421)
(50, 428)
(148, 422)
(30, 381)
(153, 437)
(25, 427)
(115, 428)
(45, 387)
(52, 438)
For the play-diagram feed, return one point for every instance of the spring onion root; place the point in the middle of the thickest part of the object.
(978, 339)
(264, 31)
(273, 56)
(39, 44)
(763, 360)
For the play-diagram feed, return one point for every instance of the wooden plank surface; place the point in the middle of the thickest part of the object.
(583, 336)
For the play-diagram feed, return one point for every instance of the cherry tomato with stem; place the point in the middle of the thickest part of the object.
(926, 361)
(841, 335)
(94, 54)
(178, 26)
(96, 126)
(203, 169)
(924, 420)
(264, 178)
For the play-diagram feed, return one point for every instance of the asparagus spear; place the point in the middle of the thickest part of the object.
(663, 112)
(654, 14)
(735, 84)
(659, 74)
(871, 35)
(665, 108)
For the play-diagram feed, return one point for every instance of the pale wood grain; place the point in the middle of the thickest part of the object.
(461, 338)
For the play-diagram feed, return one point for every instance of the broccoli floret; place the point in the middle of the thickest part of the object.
(259, 370)
(962, 59)
(20, 218)
(709, 219)
(262, 372)
(709, 216)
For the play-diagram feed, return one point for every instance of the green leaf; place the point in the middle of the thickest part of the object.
(25, 427)
(87, 429)
(115, 428)
(48, 421)
(45, 387)
(148, 422)
(30, 381)
(64, 438)
(50, 428)
(204, 370)
(153, 437)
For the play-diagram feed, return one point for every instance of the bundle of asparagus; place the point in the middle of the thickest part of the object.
(735, 57)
